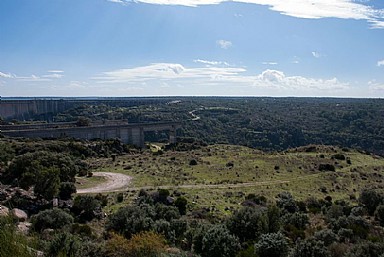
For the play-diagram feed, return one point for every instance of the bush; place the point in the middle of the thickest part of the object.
(272, 245)
(12, 243)
(286, 202)
(48, 183)
(66, 190)
(120, 197)
(370, 199)
(310, 248)
(86, 207)
(274, 221)
(366, 249)
(165, 212)
(144, 244)
(193, 162)
(297, 219)
(327, 236)
(54, 219)
(181, 204)
(379, 214)
(131, 220)
(326, 167)
(248, 223)
(64, 244)
(218, 242)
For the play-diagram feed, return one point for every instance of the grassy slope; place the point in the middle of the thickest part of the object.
(212, 184)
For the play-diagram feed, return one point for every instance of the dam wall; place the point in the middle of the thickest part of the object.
(127, 133)
(24, 109)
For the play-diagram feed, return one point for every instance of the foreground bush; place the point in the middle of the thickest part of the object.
(218, 242)
(11, 242)
(54, 219)
(272, 245)
(144, 244)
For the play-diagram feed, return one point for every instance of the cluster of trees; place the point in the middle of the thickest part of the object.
(50, 167)
(156, 225)
(265, 123)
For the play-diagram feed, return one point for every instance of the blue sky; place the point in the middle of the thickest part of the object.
(192, 47)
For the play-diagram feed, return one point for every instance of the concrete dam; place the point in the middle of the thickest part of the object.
(45, 109)
(127, 133)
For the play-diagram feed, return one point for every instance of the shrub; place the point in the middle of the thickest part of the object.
(48, 183)
(144, 244)
(181, 204)
(192, 162)
(339, 156)
(297, 219)
(272, 245)
(366, 249)
(327, 236)
(131, 220)
(274, 221)
(54, 219)
(370, 199)
(165, 212)
(12, 243)
(310, 248)
(326, 167)
(64, 244)
(66, 190)
(286, 202)
(86, 207)
(379, 214)
(257, 199)
(120, 197)
(218, 242)
(248, 223)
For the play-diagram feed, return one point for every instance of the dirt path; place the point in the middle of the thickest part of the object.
(115, 182)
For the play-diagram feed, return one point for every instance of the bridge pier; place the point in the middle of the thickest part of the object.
(137, 136)
(172, 135)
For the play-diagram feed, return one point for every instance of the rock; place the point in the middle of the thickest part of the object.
(24, 227)
(20, 214)
(4, 211)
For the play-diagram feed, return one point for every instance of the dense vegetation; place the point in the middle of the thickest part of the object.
(162, 222)
(264, 123)
(199, 199)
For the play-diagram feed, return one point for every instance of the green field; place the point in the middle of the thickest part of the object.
(224, 174)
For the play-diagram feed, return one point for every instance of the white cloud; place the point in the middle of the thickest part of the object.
(124, 2)
(164, 71)
(53, 76)
(380, 63)
(32, 78)
(279, 79)
(315, 9)
(177, 75)
(55, 71)
(316, 54)
(269, 63)
(214, 63)
(5, 75)
(225, 44)
(375, 86)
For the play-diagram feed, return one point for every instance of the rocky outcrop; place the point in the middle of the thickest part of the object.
(20, 215)
(24, 227)
(4, 211)
(21, 199)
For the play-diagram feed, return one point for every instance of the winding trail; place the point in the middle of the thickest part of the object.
(115, 182)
